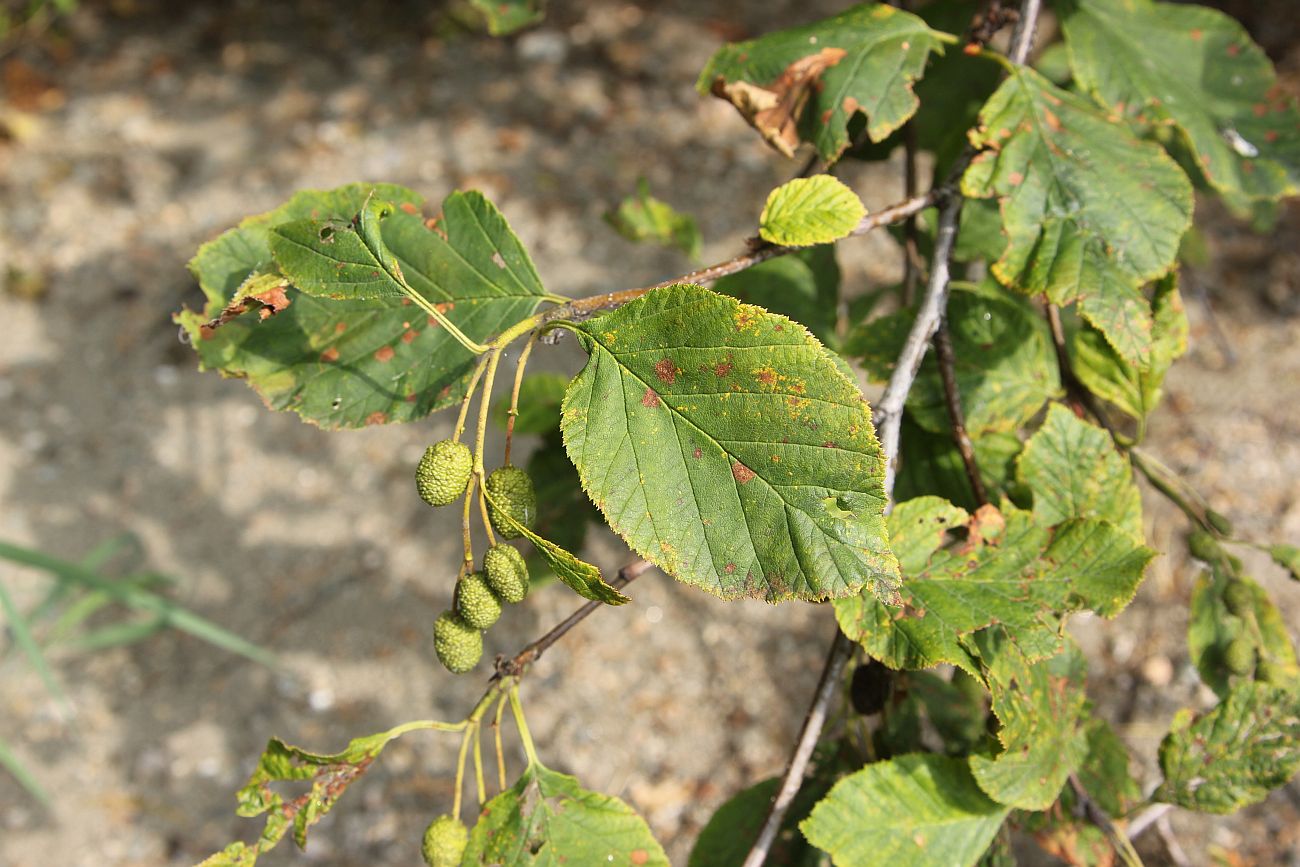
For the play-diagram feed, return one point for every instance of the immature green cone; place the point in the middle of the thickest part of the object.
(459, 646)
(443, 472)
(1204, 546)
(507, 573)
(1237, 597)
(444, 842)
(476, 604)
(1239, 656)
(512, 489)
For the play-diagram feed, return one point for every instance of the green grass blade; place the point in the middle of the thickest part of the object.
(19, 772)
(27, 643)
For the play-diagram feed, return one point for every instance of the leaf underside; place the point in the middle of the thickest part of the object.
(725, 445)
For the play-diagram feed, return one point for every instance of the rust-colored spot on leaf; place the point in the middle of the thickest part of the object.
(340, 327)
(774, 110)
(446, 390)
(666, 370)
(1053, 122)
(1260, 109)
(650, 399)
(384, 354)
(410, 208)
(331, 354)
(742, 473)
(697, 454)
(408, 336)
(729, 568)
(722, 368)
(638, 856)
(1196, 34)
(1016, 178)
(830, 445)
(1234, 50)
(376, 417)
(1270, 136)
(765, 375)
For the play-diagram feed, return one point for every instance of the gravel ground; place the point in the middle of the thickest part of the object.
(153, 126)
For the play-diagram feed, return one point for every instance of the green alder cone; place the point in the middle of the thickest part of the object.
(443, 472)
(1204, 546)
(476, 604)
(512, 491)
(1239, 657)
(1237, 598)
(459, 646)
(507, 573)
(444, 842)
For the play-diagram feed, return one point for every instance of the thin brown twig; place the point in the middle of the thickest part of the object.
(1093, 812)
(952, 397)
(516, 665)
(583, 308)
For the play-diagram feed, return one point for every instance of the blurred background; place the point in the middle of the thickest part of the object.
(133, 130)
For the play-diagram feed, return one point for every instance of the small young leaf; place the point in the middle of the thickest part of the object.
(1105, 772)
(1005, 367)
(1234, 755)
(548, 819)
(804, 285)
(912, 811)
(807, 83)
(1197, 70)
(1042, 707)
(1009, 570)
(1288, 557)
(323, 358)
(1075, 472)
(504, 17)
(1134, 389)
(726, 446)
(644, 218)
(1091, 213)
(581, 577)
(808, 211)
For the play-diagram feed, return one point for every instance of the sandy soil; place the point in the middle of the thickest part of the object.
(153, 127)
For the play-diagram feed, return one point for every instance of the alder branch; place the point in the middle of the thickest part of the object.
(515, 666)
(583, 308)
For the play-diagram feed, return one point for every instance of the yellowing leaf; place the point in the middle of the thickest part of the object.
(808, 211)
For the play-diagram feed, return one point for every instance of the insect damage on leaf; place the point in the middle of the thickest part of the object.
(774, 110)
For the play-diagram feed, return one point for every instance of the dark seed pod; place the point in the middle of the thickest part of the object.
(871, 687)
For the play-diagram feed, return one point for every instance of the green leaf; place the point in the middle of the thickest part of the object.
(808, 211)
(1075, 472)
(644, 218)
(1091, 213)
(1008, 570)
(726, 446)
(548, 819)
(1234, 755)
(330, 259)
(1288, 557)
(504, 17)
(1134, 389)
(955, 707)
(1005, 367)
(1042, 707)
(804, 285)
(807, 83)
(915, 809)
(330, 776)
(581, 577)
(356, 362)
(1105, 772)
(1196, 70)
(726, 840)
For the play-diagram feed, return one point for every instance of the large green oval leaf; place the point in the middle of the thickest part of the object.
(348, 363)
(725, 445)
